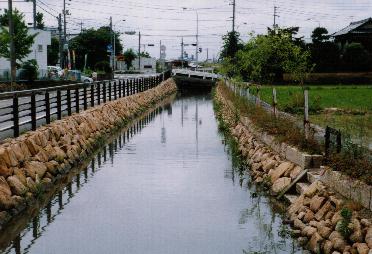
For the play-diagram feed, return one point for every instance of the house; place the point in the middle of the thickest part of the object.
(359, 31)
(148, 65)
(39, 52)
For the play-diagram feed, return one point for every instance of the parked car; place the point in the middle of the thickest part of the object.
(55, 72)
(86, 80)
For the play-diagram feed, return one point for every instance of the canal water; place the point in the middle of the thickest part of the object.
(168, 184)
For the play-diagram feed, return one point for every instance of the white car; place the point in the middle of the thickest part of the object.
(86, 80)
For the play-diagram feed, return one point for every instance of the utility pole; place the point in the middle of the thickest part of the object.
(275, 16)
(112, 46)
(182, 55)
(11, 45)
(139, 51)
(233, 19)
(197, 39)
(64, 22)
(81, 26)
(34, 12)
(207, 54)
(60, 40)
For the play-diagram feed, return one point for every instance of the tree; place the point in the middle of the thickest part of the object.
(265, 58)
(53, 52)
(40, 21)
(129, 56)
(356, 57)
(22, 40)
(324, 53)
(145, 54)
(320, 35)
(29, 70)
(231, 45)
(93, 43)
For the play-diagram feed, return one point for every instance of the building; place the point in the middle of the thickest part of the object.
(39, 52)
(359, 31)
(148, 65)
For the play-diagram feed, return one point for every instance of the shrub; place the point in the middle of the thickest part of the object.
(103, 66)
(29, 70)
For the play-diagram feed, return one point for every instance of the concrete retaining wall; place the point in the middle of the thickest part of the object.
(33, 161)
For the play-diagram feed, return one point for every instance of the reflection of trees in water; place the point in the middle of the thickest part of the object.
(36, 224)
(272, 236)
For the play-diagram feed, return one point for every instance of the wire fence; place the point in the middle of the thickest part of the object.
(332, 139)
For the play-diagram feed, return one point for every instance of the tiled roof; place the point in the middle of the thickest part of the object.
(351, 27)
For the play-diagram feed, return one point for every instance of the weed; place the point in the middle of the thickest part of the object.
(343, 225)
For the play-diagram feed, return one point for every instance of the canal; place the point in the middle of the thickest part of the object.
(168, 184)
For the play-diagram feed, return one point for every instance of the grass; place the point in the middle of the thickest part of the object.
(354, 160)
(354, 98)
(353, 103)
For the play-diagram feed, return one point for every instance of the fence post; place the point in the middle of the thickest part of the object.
(104, 92)
(110, 90)
(77, 101)
(69, 102)
(47, 107)
(33, 111)
(306, 113)
(92, 95)
(120, 88)
(327, 142)
(99, 93)
(127, 87)
(115, 95)
(59, 105)
(275, 102)
(15, 115)
(85, 98)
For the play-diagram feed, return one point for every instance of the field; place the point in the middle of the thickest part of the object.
(348, 108)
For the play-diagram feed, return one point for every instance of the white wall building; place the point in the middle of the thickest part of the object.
(148, 65)
(39, 52)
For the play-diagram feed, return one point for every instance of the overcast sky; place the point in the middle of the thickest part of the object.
(166, 20)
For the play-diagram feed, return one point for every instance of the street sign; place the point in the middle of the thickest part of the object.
(130, 32)
(163, 55)
(109, 48)
(163, 48)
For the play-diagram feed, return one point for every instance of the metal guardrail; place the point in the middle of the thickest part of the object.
(26, 110)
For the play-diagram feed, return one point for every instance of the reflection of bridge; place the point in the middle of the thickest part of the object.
(200, 74)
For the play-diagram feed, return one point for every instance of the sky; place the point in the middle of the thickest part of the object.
(167, 20)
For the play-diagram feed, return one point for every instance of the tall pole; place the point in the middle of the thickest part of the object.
(182, 55)
(11, 45)
(34, 12)
(64, 22)
(233, 21)
(112, 44)
(197, 39)
(207, 54)
(60, 40)
(139, 51)
(275, 15)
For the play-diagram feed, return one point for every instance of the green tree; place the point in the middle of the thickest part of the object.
(22, 40)
(145, 54)
(29, 70)
(93, 43)
(129, 56)
(231, 45)
(265, 58)
(53, 52)
(40, 21)
(356, 58)
(320, 35)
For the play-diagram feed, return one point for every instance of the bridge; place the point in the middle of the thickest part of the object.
(206, 73)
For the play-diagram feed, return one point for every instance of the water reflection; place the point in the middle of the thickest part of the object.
(164, 185)
(30, 232)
